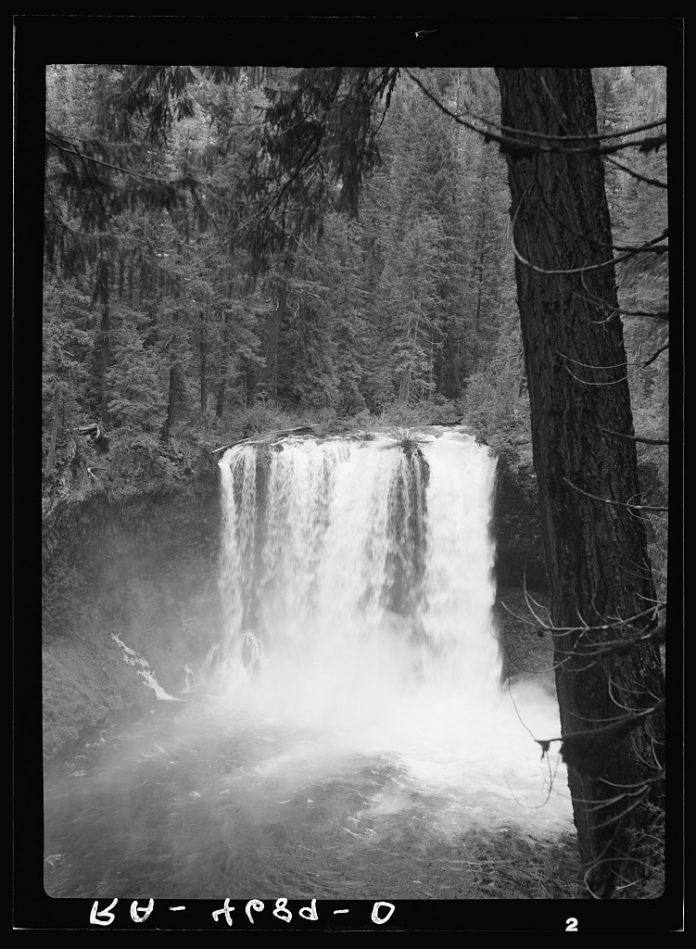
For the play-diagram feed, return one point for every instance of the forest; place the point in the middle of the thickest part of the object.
(191, 290)
(233, 253)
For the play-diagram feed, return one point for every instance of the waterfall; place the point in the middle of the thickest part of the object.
(348, 735)
(358, 575)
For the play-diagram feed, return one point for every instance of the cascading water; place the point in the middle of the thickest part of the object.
(348, 736)
(362, 573)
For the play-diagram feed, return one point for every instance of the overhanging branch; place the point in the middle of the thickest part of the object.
(626, 504)
(533, 140)
(633, 438)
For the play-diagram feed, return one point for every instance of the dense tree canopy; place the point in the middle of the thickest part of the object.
(169, 209)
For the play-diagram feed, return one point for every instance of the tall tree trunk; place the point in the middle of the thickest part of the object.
(480, 253)
(54, 435)
(405, 386)
(105, 361)
(596, 549)
(171, 403)
(222, 372)
(220, 397)
(269, 374)
(451, 361)
(203, 354)
(430, 366)
(101, 294)
(479, 257)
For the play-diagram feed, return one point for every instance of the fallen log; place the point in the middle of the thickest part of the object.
(92, 430)
(267, 436)
(92, 468)
(214, 451)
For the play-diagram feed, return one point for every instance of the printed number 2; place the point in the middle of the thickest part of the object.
(571, 925)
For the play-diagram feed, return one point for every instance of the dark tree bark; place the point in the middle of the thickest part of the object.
(105, 360)
(596, 551)
(269, 374)
(223, 368)
(480, 251)
(220, 397)
(203, 354)
(268, 377)
(101, 294)
(171, 403)
(54, 435)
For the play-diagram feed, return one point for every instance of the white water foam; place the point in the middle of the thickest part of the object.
(142, 667)
(364, 571)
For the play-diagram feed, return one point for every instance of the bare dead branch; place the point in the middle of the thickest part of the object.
(622, 859)
(615, 310)
(623, 646)
(595, 497)
(70, 148)
(577, 745)
(527, 600)
(533, 807)
(655, 314)
(634, 784)
(616, 817)
(618, 365)
(634, 174)
(586, 382)
(597, 136)
(655, 355)
(645, 247)
(521, 618)
(517, 711)
(526, 144)
(610, 689)
(586, 267)
(617, 622)
(633, 438)
(600, 805)
(95, 468)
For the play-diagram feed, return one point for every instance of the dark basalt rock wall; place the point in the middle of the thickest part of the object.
(143, 568)
(517, 527)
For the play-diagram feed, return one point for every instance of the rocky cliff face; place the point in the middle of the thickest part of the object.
(517, 528)
(520, 563)
(143, 569)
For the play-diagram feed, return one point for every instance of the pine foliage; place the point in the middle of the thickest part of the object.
(326, 239)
